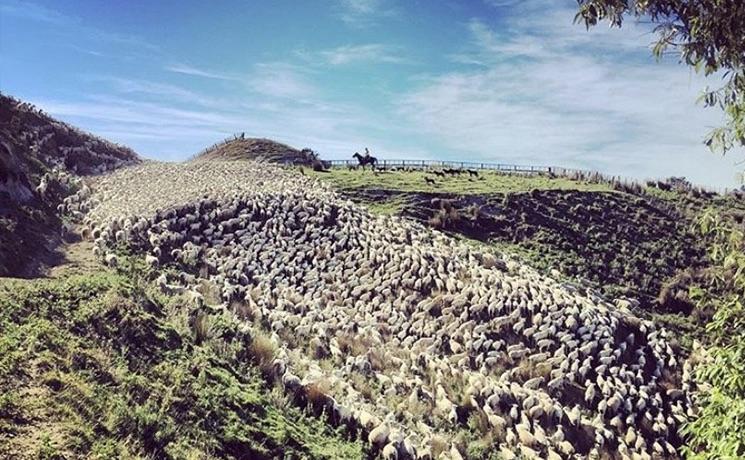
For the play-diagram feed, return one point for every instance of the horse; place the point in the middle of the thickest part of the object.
(366, 160)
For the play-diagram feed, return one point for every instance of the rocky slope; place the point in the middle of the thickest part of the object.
(420, 343)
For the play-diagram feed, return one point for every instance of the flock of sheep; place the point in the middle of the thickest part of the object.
(413, 336)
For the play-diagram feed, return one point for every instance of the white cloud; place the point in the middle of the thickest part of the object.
(281, 80)
(35, 12)
(363, 13)
(157, 90)
(175, 122)
(197, 72)
(546, 92)
(372, 52)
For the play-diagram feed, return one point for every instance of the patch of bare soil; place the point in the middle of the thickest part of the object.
(76, 258)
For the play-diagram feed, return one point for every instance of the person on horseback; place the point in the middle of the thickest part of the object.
(366, 159)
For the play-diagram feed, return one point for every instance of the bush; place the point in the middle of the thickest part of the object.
(718, 431)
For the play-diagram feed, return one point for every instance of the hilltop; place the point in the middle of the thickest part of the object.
(242, 148)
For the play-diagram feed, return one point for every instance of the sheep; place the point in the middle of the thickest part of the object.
(390, 452)
(111, 260)
(319, 269)
(291, 381)
(151, 261)
(379, 435)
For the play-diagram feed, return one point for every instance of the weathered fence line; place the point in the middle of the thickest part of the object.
(560, 171)
(430, 164)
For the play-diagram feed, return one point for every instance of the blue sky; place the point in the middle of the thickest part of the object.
(482, 80)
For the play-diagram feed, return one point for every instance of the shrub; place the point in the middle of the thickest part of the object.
(717, 431)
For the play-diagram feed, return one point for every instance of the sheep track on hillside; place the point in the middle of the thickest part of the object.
(426, 335)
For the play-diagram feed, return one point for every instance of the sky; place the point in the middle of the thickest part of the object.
(504, 81)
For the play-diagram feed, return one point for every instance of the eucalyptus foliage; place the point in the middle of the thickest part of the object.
(706, 34)
(718, 431)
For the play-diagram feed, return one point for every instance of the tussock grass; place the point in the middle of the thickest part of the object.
(262, 351)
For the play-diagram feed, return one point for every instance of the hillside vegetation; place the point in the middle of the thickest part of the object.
(463, 184)
(41, 160)
(103, 365)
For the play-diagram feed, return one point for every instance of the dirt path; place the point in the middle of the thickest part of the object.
(74, 258)
(77, 259)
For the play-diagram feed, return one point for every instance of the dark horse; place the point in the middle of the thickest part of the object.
(365, 160)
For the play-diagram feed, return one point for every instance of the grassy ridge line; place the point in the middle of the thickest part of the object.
(486, 182)
(105, 366)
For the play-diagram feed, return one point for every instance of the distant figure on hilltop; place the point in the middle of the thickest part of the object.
(366, 159)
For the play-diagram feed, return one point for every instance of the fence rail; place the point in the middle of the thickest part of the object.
(431, 164)
(585, 174)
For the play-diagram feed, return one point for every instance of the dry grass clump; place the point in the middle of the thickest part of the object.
(421, 409)
(316, 394)
(353, 345)
(210, 291)
(444, 218)
(201, 328)
(362, 384)
(528, 369)
(261, 351)
(376, 356)
(241, 310)
(439, 445)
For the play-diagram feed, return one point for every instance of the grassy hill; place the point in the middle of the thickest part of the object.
(111, 362)
(103, 365)
(242, 148)
(36, 149)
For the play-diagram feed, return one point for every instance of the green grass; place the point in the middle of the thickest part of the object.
(387, 207)
(487, 182)
(104, 366)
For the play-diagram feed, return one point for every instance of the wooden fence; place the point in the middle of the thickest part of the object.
(437, 164)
